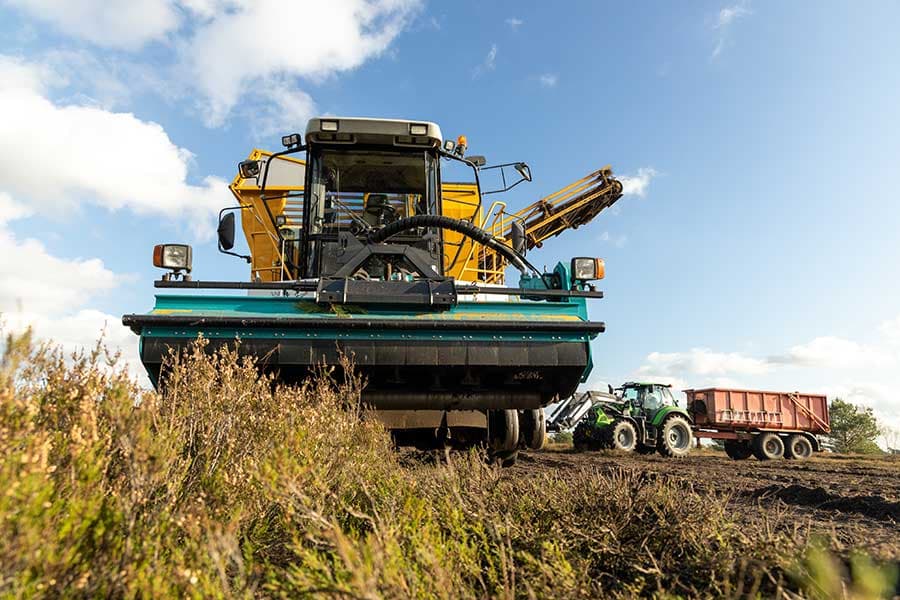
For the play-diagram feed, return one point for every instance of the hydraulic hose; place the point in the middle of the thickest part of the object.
(459, 226)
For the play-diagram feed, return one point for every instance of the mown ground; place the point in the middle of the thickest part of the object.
(855, 501)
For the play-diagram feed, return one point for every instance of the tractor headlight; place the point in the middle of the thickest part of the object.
(289, 141)
(175, 257)
(587, 269)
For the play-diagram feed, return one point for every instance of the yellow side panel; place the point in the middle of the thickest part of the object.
(460, 201)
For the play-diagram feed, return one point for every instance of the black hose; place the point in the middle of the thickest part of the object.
(465, 228)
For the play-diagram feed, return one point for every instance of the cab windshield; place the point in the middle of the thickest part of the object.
(358, 190)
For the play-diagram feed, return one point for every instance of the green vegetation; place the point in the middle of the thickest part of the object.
(230, 486)
(853, 428)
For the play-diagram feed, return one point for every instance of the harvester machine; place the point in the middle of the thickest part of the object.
(358, 249)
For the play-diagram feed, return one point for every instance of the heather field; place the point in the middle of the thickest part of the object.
(228, 485)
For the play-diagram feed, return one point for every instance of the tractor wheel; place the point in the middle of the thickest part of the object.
(675, 437)
(768, 446)
(506, 458)
(738, 450)
(798, 447)
(532, 428)
(620, 435)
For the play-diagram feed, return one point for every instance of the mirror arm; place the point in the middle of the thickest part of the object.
(265, 201)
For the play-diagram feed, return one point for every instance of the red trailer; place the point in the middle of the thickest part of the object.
(763, 424)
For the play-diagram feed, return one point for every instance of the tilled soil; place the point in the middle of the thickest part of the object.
(854, 501)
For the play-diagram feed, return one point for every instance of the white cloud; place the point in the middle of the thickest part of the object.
(702, 361)
(488, 64)
(835, 353)
(67, 155)
(637, 184)
(47, 293)
(514, 22)
(725, 18)
(233, 51)
(548, 80)
(284, 109)
(128, 25)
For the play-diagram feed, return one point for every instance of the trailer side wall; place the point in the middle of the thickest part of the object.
(730, 409)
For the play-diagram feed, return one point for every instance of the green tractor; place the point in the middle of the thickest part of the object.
(641, 417)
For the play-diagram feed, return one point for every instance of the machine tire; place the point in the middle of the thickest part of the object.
(798, 447)
(532, 428)
(620, 435)
(507, 458)
(738, 449)
(675, 437)
(768, 446)
(503, 430)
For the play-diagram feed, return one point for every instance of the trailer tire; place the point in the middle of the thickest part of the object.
(798, 447)
(768, 446)
(738, 450)
(620, 435)
(675, 437)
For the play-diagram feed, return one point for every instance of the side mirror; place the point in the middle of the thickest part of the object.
(517, 237)
(524, 170)
(226, 231)
(249, 169)
(478, 161)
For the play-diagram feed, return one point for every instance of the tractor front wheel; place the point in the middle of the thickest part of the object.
(621, 435)
(675, 437)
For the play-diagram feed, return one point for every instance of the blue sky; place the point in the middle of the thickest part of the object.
(760, 142)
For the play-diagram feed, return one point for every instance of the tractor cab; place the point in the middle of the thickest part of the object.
(647, 398)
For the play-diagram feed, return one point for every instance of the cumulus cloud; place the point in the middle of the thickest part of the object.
(229, 50)
(702, 361)
(48, 293)
(488, 64)
(834, 352)
(234, 50)
(69, 155)
(637, 185)
(548, 79)
(128, 25)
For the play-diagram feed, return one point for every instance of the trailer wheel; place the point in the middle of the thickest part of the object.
(675, 437)
(768, 446)
(738, 450)
(798, 447)
(532, 428)
(620, 435)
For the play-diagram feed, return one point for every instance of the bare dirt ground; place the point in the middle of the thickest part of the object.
(855, 501)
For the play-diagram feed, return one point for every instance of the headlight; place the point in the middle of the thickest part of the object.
(418, 129)
(289, 141)
(587, 269)
(176, 257)
(328, 125)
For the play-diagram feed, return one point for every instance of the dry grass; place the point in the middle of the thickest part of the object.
(227, 485)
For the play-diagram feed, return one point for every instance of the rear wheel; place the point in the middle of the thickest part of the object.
(738, 449)
(621, 435)
(768, 446)
(798, 447)
(675, 437)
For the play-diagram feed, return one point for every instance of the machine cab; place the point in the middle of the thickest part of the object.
(647, 398)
